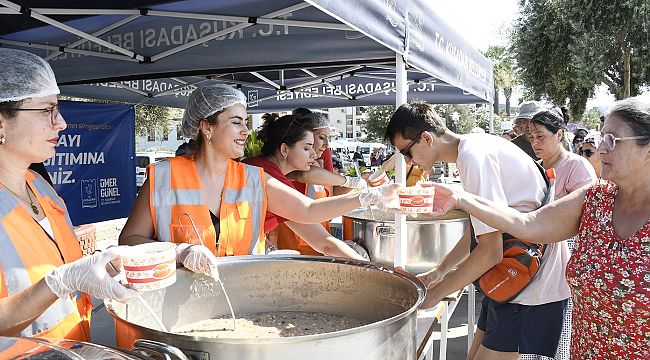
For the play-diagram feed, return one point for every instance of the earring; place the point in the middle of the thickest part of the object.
(2, 139)
(285, 156)
(209, 139)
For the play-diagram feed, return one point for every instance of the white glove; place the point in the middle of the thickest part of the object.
(385, 196)
(197, 258)
(89, 275)
(355, 182)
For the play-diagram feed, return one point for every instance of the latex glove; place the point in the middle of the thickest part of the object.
(197, 258)
(358, 249)
(89, 275)
(432, 277)
(385, 196)
(355, 182)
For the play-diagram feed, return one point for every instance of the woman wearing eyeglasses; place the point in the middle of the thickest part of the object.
(608, 272)
(288, 147)
(44, 281)
(589, 150)
(212, 205)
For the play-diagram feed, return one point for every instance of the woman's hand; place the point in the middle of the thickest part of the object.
(89, 275)
(196, 258)
(445, 198)
(385, 196)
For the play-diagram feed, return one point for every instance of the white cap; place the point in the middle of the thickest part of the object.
(25, 75)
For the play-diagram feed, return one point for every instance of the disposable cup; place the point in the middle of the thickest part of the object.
(378, 179)
(150, 266)
(416, 199)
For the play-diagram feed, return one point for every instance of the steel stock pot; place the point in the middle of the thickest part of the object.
(429, 238)
(384, 299)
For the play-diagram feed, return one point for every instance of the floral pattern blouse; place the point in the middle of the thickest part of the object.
(610, 284)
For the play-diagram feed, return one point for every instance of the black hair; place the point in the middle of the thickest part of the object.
(552, 120)
(635, 112)
(566, 115)
(8, 108)
(301, 111)
(288, 129)
(411, 119)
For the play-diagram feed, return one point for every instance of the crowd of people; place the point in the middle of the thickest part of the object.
(212, 203)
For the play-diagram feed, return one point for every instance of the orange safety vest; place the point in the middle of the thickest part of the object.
(178, 205)
(287, 239)
(27, 254)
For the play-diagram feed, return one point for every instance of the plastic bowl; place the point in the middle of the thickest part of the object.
(150, 266)
(416, 199)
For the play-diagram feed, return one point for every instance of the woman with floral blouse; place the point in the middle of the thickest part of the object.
(609, 270)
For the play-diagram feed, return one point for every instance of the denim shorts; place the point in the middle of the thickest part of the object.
(527, 329)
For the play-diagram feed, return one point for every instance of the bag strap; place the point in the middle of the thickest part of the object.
(548, 197)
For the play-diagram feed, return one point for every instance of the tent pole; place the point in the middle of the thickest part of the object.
(399, 243)
(491, 118)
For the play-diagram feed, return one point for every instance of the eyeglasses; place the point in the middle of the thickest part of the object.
(587, 153)
(54, 112)
(609, 141)
(406, 152)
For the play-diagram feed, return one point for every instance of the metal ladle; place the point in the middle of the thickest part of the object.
(214, 272)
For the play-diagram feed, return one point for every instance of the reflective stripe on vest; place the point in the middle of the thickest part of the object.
(251, 193)
(164, 197)
(15, 272)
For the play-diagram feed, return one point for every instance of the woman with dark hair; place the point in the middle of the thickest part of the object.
(212, 205)
(288, 147)
(572, 172)
(608, 272)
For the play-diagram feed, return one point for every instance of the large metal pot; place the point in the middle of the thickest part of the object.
(429, 238)
(385, 299)
(61, 349)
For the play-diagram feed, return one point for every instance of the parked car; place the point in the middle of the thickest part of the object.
(143, 159)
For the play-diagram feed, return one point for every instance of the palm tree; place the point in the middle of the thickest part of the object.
(505, 75)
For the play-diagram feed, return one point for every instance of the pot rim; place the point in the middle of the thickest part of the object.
(419, 286)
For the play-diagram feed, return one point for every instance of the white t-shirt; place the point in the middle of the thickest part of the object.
(45, 224)
(498, 170)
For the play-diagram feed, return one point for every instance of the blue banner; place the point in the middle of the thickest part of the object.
(94, 166)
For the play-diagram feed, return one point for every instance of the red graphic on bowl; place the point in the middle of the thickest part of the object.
(416, 199)
(150, 266)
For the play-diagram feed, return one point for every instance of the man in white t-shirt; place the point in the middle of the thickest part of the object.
(495, 169)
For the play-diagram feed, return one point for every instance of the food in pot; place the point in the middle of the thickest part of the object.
(271, 325)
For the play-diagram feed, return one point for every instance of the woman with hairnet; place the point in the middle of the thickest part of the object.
(210, 204)
(44, 281)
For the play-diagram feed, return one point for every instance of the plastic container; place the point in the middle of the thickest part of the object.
(378, 178)
(150, 266)
(416, 199)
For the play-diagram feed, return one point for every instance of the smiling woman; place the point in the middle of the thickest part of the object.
(210, 204)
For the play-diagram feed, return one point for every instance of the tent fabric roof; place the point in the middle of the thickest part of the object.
(157, 52)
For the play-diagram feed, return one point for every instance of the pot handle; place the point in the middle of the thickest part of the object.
(166, 351)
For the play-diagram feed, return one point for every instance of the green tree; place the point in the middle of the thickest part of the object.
(565, 48)
(376, 121)
(591, 118)
(151, 118)
(463, 118)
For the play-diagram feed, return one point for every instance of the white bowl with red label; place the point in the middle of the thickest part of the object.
(150, 266)
(378, 178)
(416, 199)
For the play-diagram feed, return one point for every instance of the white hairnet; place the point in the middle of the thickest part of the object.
(24, 75)
(205, 101)
(320, 121)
